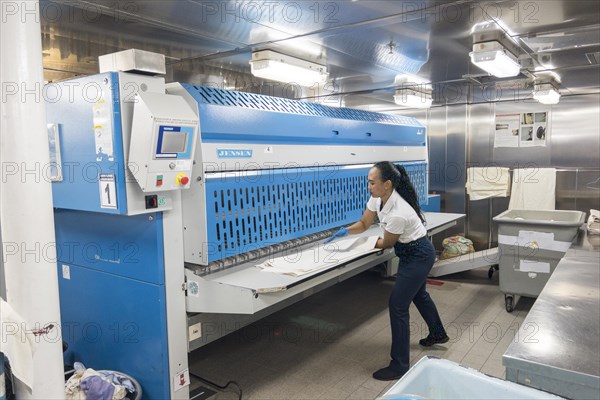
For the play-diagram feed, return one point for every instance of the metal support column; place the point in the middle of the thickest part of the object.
(26, 215)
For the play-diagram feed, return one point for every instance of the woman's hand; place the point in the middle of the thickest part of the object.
(339, 234)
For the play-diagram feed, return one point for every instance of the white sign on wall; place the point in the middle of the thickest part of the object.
(521, 130)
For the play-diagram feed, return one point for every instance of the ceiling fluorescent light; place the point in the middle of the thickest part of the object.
(413, 98)
(279, 67)
(493, 50)
(546, 93)
(414, 91)
(493, 58)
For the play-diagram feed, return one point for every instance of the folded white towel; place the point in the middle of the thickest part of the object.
(533, 189)
(485, 182)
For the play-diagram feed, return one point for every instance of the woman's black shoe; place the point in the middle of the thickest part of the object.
(431, 340)
(387, 374)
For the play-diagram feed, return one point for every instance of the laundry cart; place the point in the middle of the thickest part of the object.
(439, 379)
(531, 243)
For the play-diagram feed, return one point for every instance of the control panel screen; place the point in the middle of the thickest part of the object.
(174, 141)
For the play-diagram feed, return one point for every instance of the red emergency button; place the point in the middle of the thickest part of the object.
(181, 179)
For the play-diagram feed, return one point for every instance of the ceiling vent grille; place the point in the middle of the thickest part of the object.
(593, 58)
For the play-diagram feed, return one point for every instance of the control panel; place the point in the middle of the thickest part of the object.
(163, 139)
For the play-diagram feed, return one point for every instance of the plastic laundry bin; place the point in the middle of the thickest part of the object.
(531, 243)
(434, 378)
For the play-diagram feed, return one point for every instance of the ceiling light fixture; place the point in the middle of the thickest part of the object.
(268, 64)
(495, 59)
(493, 51)
(546, 93)
(414, 91)
(545, 87)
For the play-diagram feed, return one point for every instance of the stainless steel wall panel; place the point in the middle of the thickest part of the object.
(578, 189)
(421, 114)
(575, 135)
(499, 205)
(566, 189)
(480, 140)
(478, 222)
(587, 195)
(456, 124)
(479, 154)
(436, 128)
(435, 121)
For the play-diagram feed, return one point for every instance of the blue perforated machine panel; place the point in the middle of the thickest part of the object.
(245, 213)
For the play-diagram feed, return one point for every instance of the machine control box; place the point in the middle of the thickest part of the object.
(163, 139)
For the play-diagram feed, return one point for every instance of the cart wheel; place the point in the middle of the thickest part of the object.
(508, 300)
(491, 271)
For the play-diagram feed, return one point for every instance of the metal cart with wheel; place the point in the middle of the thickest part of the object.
(531, 243)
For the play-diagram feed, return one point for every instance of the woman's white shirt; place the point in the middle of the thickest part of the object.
(398, 217)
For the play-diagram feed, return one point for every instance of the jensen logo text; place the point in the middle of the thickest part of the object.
(234, 153)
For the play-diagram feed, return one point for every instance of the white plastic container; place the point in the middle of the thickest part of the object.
(435, 378)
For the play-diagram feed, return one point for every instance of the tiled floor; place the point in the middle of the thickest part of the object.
(327, 346)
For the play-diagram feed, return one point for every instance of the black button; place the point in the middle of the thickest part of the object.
(151, 201)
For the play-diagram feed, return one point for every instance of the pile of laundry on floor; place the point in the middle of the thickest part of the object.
(89, 384)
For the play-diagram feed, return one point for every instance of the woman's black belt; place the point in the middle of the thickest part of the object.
(413, 243)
